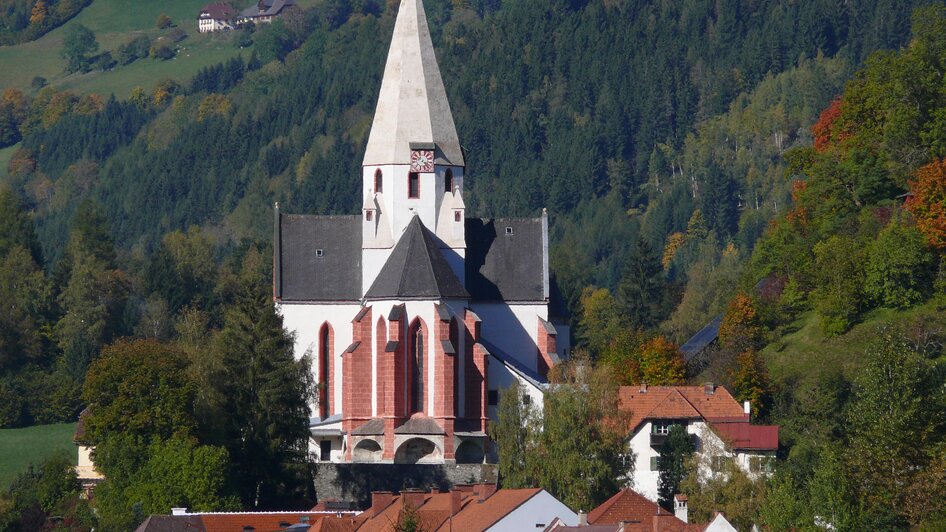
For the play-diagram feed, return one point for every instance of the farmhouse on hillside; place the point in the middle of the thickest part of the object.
(416, 316)
(265, 11)
(215, 17)
(717, 424)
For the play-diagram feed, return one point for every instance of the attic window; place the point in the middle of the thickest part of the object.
(369, 215)
(508, 230)
(318, 253)
(457, 217)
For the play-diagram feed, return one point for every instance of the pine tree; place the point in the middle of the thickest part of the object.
(265, 395)
(642, 290)
(676, 450)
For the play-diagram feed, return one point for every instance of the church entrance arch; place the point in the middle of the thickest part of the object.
(417, 450)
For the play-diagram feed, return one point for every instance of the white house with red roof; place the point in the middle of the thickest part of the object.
(215, 17)
(718, 424)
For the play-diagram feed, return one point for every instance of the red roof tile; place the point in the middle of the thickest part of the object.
(711, 406)
(746, 436)
(638, 514)
(261, 522)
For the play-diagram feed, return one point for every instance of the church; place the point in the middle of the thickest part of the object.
(413, 314)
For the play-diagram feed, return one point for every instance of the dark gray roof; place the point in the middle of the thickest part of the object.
(171, 523)
(507, 265)
(372, 427)
(300, 274)
(419, 425)
(702, 339)
(416, 269)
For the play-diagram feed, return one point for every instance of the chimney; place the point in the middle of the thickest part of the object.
(746, 407)
(582, 518)
(456, 501)
(709, 388)
(178, 511)
(413, 498)
(643, 387)
(379, 501)
(680, 507)
(483, 491)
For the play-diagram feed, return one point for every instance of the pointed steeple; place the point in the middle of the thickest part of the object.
(412, 106)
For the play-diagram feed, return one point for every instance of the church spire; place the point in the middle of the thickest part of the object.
(412, 106)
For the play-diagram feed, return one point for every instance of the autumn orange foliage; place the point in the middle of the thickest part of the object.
(927, 202)
(823, 130)
(741, 328)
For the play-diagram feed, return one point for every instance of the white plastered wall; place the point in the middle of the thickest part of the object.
(305, 321)
(513, 328)
(536, 514)
(501, 377)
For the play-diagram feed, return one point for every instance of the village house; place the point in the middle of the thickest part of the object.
(85, 470)
(629, 511)
(466, 507)
(415, 315)
(265, 11)
(718, 425)
(215, 17)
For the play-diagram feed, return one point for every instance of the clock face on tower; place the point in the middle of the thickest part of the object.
(422, 161)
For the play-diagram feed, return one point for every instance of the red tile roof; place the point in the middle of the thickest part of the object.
(746, 436)
(482, 515)
(638, 514)
(664, 402)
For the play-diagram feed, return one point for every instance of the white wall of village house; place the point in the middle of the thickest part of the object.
(708, 444)
(535, 514)
(500, 378)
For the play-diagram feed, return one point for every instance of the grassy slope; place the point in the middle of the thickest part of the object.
(21, 447)
(116, 22)
(803, 350)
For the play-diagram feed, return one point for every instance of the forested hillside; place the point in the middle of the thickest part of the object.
(685, 152)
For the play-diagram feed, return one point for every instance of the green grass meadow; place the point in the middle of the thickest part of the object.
(21, 447)
(116, 22)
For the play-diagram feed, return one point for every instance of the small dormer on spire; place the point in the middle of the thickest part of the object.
(412, 106)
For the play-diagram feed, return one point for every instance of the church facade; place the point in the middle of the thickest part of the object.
(413, 314)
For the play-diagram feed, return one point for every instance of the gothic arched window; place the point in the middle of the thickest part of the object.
(448, 181)
(416, 363)
(325, 369)
(378, 181)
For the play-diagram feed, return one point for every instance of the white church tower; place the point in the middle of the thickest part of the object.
(413, 163)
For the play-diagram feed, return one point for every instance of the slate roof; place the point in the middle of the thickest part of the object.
(507, 265)
(301, 274)
(416, 269)
(703, 338)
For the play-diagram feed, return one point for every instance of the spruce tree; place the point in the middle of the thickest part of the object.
(264, 413)
(642, 288)
(676, 450)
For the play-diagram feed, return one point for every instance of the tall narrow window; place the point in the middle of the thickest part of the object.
(378, 181)
(454, 333)
(325, 353)
(413, 185)
(416, 354)
(448, 181)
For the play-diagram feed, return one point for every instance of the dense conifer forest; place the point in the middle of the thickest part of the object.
(768, 161)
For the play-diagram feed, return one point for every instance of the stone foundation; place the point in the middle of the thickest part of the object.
(355, 482)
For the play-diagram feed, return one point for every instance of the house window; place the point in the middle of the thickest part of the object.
(457, 216)
(378, 181)
(369, 215)
(509, 230)
(448, 181)
(413, 185)
(655, 463)
(492, 397)
(325, 450)
(318, 253)
(526, 399)
(661, 427)
(760, 464)
(719, 463)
